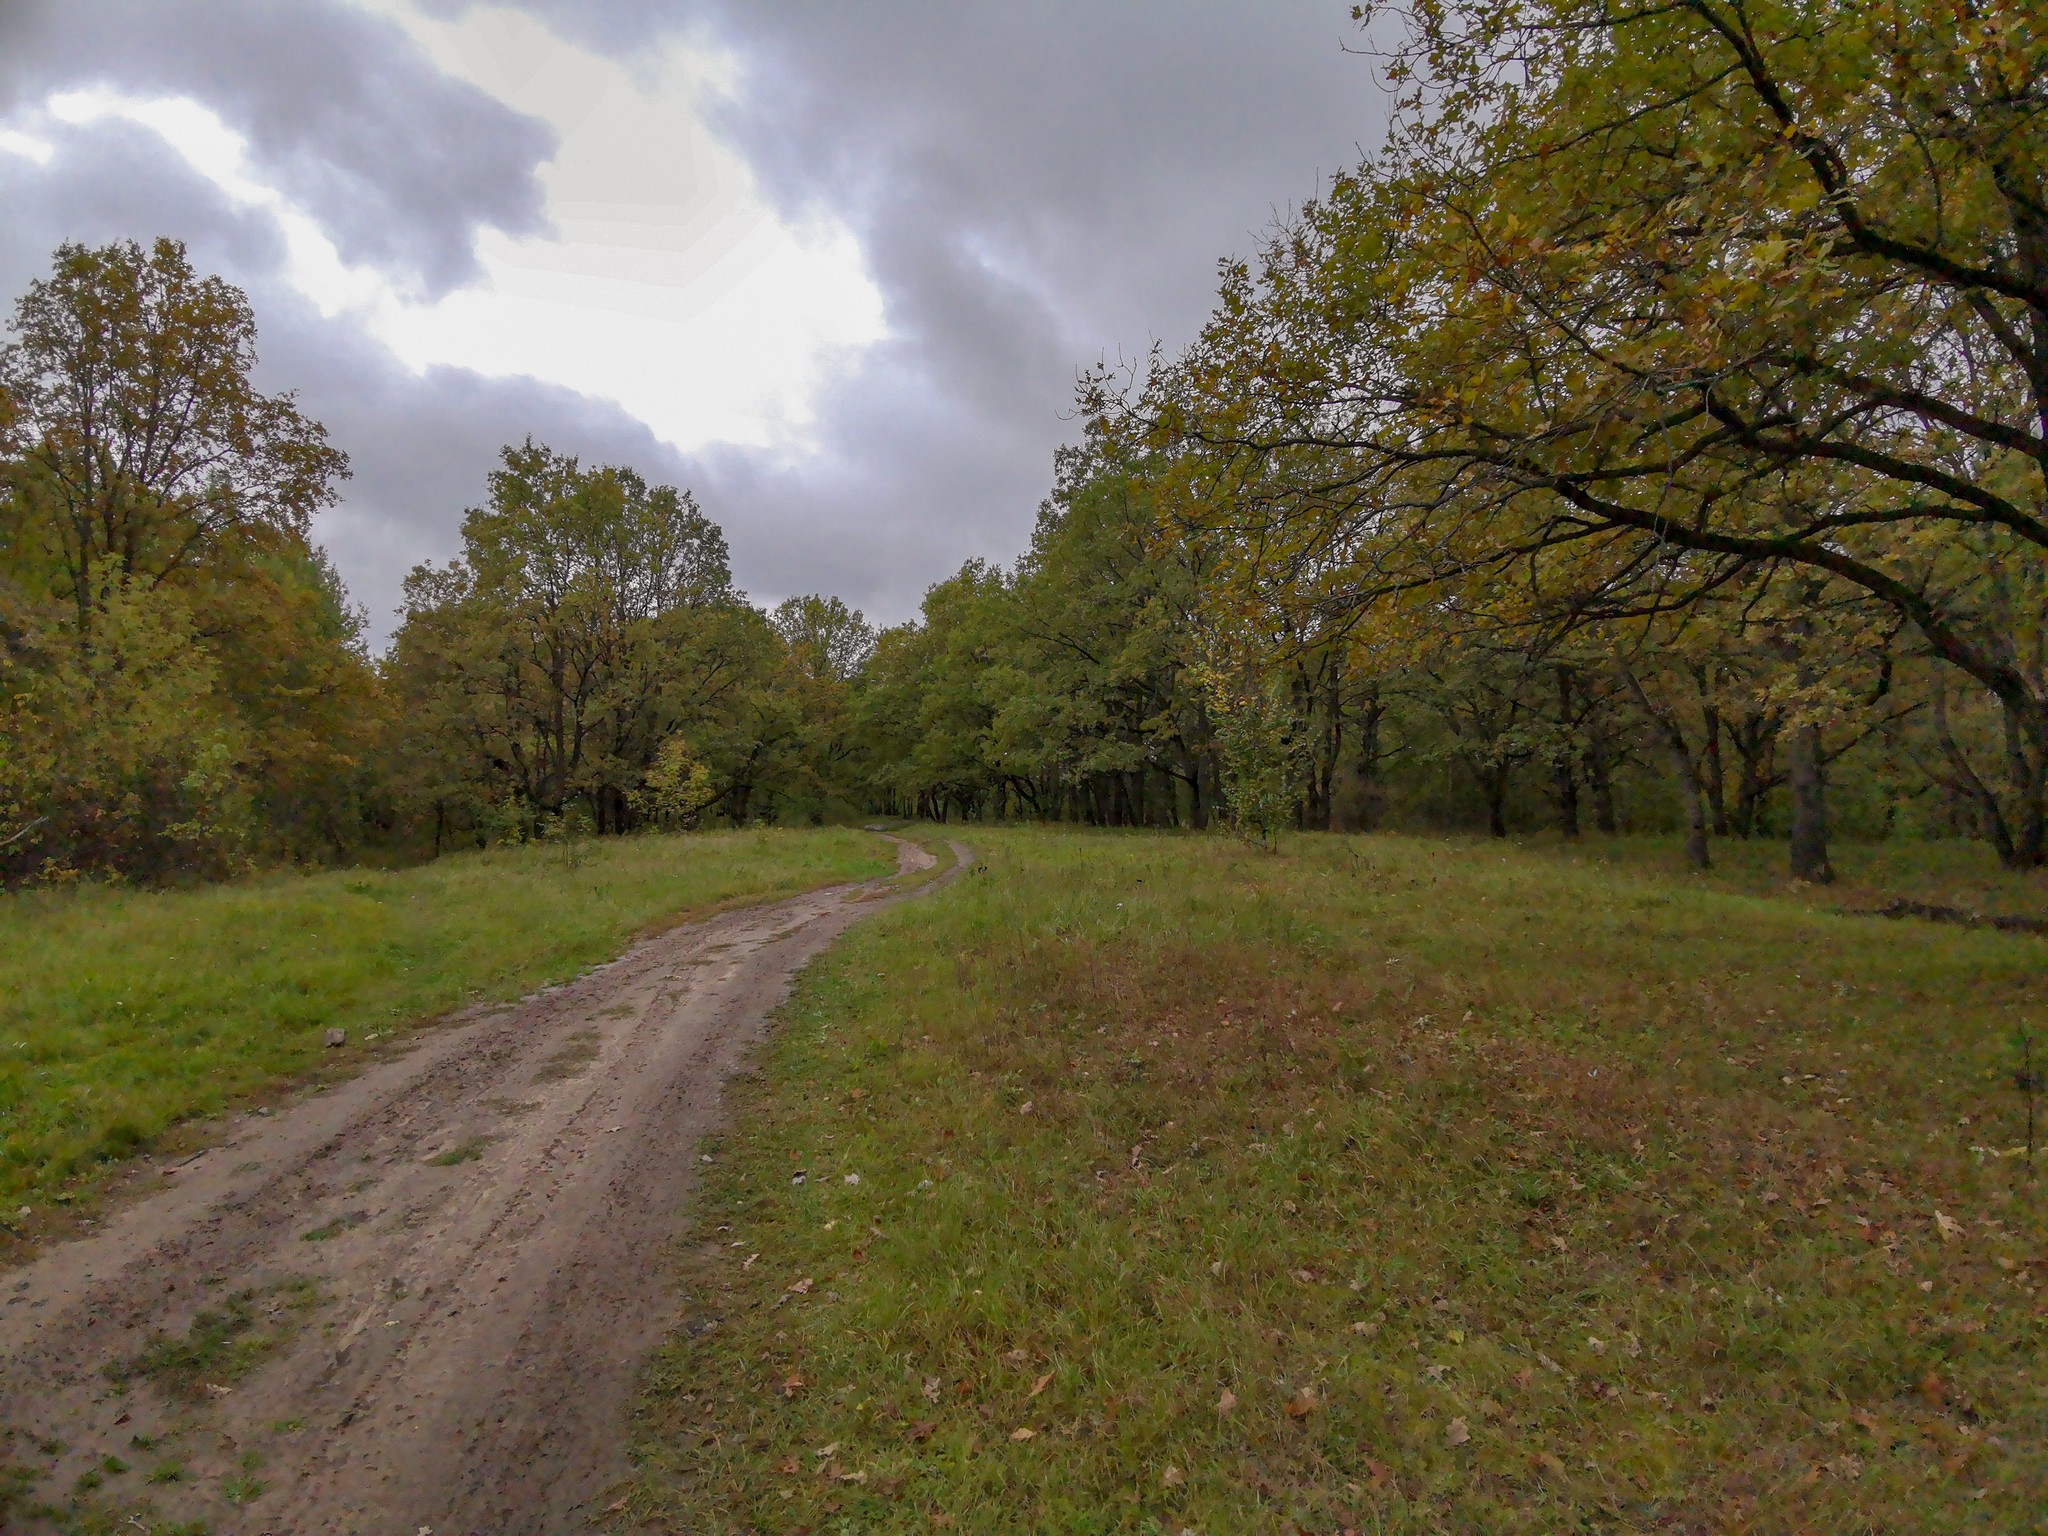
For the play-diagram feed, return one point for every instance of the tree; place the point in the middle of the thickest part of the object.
(1642, 299)
(138, 436)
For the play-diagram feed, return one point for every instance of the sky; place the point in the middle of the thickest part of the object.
(833, 268)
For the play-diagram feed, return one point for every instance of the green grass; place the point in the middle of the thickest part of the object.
(222, 1345)
(1962, 875)
(1388, 1185)
(124, 1013)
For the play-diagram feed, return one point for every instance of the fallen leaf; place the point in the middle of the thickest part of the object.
(800, 1287)
(1040, 1385)
(1377, 1474)
(943, 1522)
(1302, 1404)
(921, 1430)
(1949, 1228)
(1547, 1461)
(931, 1389)
(1016, 1357)
(1524, 1376)
(1227, 1401)
(1866, 1419)
(1173, 1477)
(789, 1468)
(1023, 1432)
(1457, 1432)
(793, 1385)
(830, 1450)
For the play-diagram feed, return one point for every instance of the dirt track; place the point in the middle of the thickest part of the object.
(448, 1271)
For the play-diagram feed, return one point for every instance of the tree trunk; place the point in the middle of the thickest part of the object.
(1717, 798)
(1564, 769)
(1600, 774)
(1495, 783)
(1809, 809)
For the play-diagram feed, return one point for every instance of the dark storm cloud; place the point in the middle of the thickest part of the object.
(1034, 188)
(398, 162)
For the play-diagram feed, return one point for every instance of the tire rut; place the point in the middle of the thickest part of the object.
(422, 1298)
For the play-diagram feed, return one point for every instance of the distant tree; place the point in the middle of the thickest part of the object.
(138, 436)
(837, 638)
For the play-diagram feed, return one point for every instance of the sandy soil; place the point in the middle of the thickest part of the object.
(447, 1272)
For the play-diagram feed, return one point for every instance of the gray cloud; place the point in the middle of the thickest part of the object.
(1033, 187)
(1035, 190)
(399, 163)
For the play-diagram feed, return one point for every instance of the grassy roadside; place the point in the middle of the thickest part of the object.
(1151, 1184)
(124, 1013)
(1959, 875)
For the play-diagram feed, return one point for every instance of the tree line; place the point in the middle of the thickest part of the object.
(1651, 436)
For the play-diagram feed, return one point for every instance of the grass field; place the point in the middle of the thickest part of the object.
(1152, 1184)
(126, 1013)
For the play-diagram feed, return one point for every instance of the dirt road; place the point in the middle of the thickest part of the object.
(419, 1301)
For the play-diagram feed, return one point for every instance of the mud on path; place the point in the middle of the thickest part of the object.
(420, 1300)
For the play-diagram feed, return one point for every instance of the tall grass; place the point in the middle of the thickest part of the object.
(1391, 1185)
(125, 1012)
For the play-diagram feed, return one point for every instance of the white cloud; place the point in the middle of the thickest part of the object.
(666, 285)
(26, 145)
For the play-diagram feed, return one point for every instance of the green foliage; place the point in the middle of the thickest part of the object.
(182, 686)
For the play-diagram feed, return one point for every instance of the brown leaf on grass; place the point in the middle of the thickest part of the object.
(1023, 1432)
(1949, 1228)
(931, 1389)
(1547, 1461)
(800, 1287)
(943, 1522)
(1865, 1418)
(1523, 1377)
(1016, 1357)
(1173, 1477)
(1302, 1404)
(1040, 1385)
(1376, 1473)
(921, 1431)
(1457, 1432)
(1933, 1390)
(789, 1468)
(1227, 1401)
(793, 1384)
